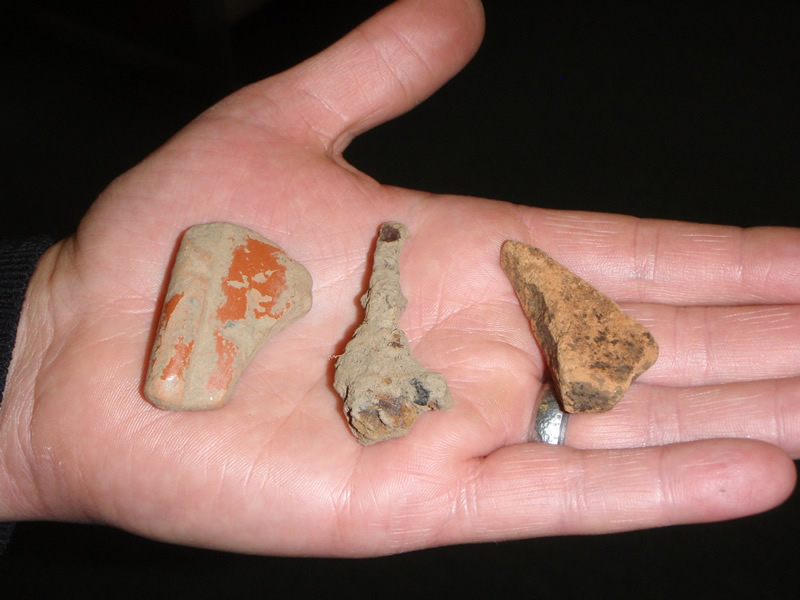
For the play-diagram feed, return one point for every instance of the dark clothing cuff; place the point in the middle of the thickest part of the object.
(17, 262)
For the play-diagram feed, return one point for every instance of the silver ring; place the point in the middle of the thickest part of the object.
(550, 424)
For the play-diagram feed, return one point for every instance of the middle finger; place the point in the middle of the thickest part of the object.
(716, 345)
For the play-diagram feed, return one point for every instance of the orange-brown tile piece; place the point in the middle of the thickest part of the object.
(593, 349)
(231, 290)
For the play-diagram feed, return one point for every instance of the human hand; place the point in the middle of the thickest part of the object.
(276, 470)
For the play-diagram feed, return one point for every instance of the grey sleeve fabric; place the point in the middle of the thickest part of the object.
(18, 260)
(17, 263)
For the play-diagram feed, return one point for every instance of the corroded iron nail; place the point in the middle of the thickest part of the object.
(383, 386)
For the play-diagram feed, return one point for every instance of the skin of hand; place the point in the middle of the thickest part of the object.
(706, 434)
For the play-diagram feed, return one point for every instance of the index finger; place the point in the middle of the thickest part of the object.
(671, 262)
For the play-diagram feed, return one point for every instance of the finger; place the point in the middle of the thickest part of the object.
(646, 260)
(711, 345)
(386, 66)
(534, 489)
(653, 415)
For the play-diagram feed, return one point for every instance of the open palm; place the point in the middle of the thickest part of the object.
(277, 470)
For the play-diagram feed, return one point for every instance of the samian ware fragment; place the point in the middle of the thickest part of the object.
(594, 351)
(383, 386)
(231, 290)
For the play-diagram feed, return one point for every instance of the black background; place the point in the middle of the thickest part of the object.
(669, 110)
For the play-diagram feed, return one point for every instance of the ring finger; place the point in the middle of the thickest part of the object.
(649, 415)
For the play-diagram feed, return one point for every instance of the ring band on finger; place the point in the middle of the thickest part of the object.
(549, 423)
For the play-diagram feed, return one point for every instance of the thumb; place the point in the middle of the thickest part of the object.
(381, 69)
